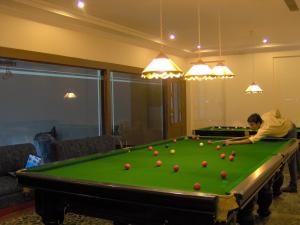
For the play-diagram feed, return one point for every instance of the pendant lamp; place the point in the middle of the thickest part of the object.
(161, 67)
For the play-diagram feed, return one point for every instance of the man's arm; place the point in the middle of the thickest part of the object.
(261, 133)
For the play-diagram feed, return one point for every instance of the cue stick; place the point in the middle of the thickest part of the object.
(235, 138)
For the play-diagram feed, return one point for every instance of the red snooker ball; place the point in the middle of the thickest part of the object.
(155, 153)
(218, 147)
(197, 186)
(158, 163)
(150, 148)
(223, 174)
(174, 140)
(209, 142)
(233, 153)
(222, 156)
(175, 168)
(231, 157)
(127, 166)
(204, 164)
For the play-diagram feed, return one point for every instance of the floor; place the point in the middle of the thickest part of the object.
(286, 208)
(285, 211)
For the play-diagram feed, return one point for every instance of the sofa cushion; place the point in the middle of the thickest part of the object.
(14, 157)
(86, 146)
(102, 144)
(9, 185)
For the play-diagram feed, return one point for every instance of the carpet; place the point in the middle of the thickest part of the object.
(70, 219)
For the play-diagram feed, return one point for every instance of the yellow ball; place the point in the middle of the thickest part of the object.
(172, 151)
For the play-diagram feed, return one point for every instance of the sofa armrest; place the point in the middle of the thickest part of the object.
(14, 157)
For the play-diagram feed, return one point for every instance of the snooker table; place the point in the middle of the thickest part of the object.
(98, 185)
(228, 131)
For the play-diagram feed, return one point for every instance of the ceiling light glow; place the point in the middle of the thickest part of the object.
(172, 36)
(80, 4)
(265, 40)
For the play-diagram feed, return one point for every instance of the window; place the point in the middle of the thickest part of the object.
(33, 100)
(137, 108)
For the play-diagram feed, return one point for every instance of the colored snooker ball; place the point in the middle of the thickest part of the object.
(201, 144)
(127, 166)
(223, 174)
(197, 186)
(175, 168)
(158, 163)
(204, 164)
(150, 148)
(218, 147)
(155, 153)
(174, 140)
(166, 146)
(222, 156)
(209, 142)
(172, 151)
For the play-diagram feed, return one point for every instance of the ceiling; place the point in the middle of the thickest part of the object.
(139, 20)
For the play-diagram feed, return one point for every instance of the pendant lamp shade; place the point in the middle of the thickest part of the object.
(162, 67)
(253, 89)
(222, 71)
(199, 71)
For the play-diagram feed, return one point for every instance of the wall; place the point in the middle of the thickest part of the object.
(225, 103)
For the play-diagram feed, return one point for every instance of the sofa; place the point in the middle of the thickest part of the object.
(13, 158)
(67, 149)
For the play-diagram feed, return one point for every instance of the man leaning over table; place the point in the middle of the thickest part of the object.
(271, 124)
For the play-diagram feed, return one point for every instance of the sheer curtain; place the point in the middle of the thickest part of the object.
(137, 108)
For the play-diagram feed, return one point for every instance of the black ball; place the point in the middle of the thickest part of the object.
(167, 146)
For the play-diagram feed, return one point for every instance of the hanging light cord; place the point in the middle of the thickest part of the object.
(219, 30)
(253, 60)
(199, 30)
(253, 57)
(161, 23)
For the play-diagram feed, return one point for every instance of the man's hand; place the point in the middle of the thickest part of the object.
(228, 142)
